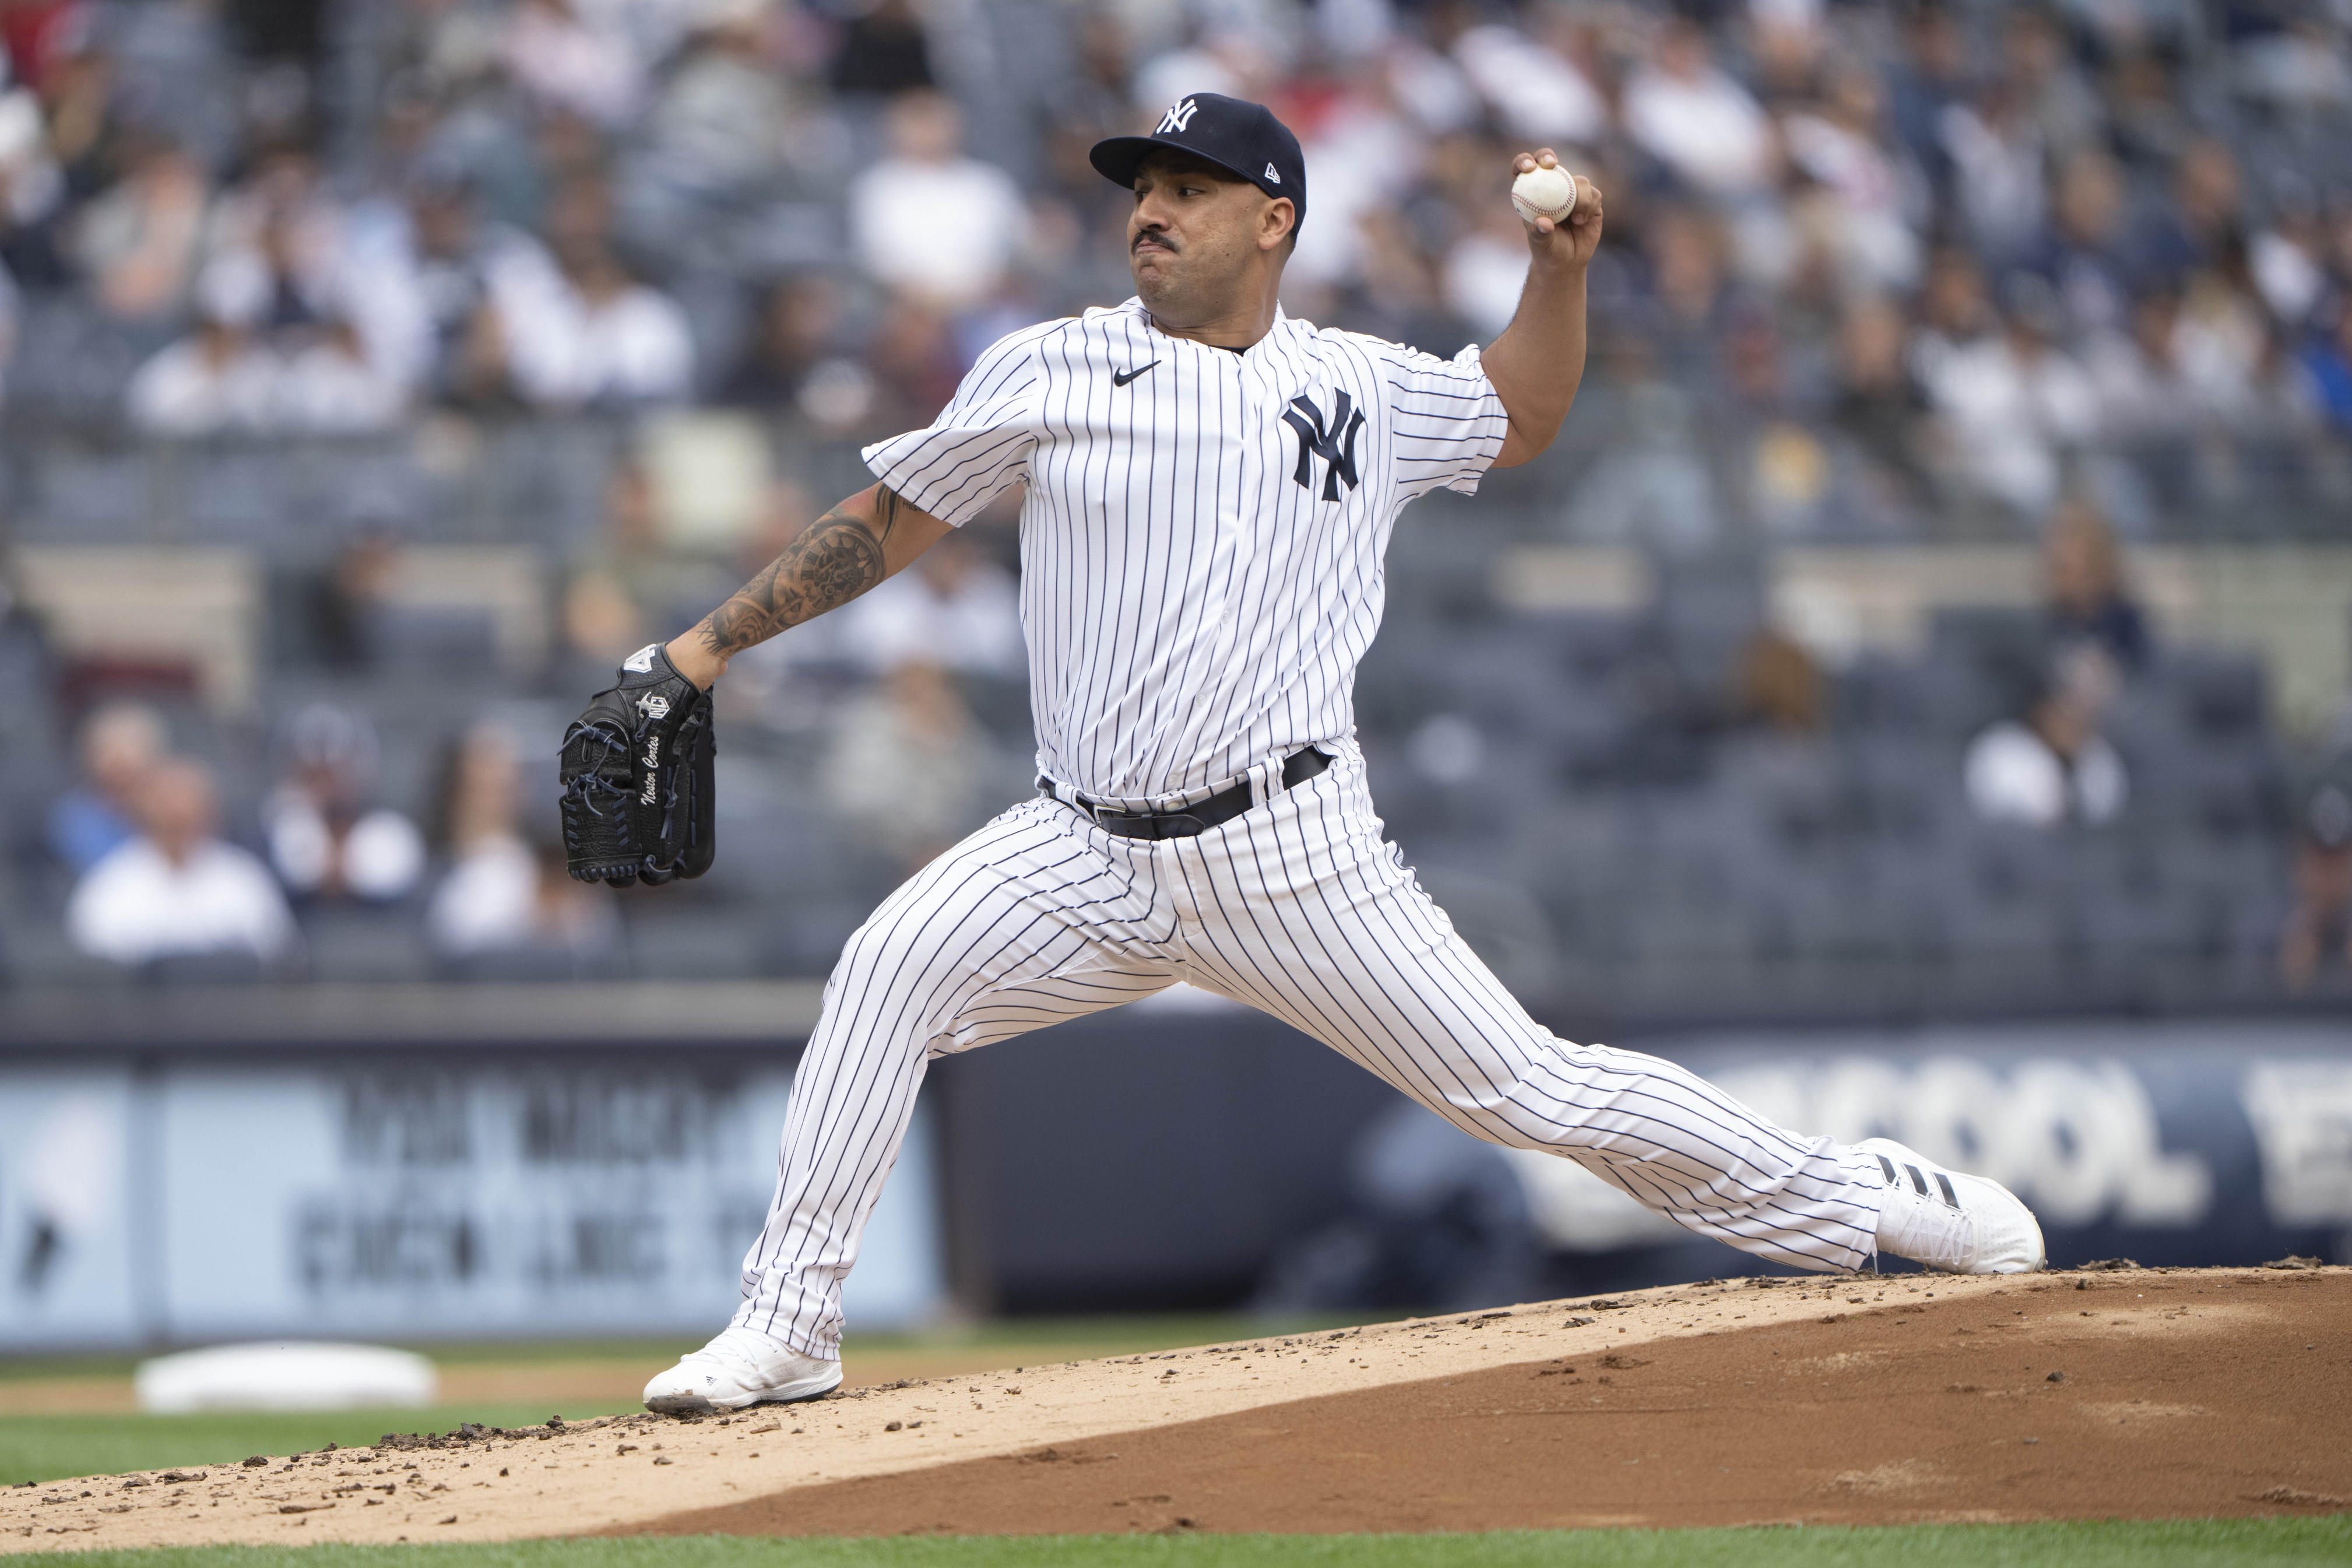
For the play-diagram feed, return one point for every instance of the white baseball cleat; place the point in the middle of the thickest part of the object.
(1952, 1222)
(742, 1366)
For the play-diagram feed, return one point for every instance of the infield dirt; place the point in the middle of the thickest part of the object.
(2132, 1393)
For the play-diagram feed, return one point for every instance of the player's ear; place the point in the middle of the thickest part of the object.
(1277, 224)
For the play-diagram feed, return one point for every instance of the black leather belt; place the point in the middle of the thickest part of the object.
(1196, 818)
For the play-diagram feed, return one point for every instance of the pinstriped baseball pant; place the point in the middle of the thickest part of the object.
(1299, 909)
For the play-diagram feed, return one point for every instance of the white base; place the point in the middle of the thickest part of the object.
(294, 1375)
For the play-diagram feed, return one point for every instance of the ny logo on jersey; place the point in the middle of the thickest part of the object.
(1178, 117)
(1337, 447)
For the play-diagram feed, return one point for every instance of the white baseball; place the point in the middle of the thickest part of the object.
(1544, 193)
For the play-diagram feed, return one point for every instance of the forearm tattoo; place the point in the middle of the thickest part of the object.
(838, 557)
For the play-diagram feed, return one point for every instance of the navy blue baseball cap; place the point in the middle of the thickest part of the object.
(1243, 137)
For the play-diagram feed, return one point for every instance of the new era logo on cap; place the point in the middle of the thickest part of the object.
(1243, 137)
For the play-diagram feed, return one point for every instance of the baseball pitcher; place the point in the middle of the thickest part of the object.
(1208, 487)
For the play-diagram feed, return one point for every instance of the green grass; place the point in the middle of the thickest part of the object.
(2172, 1544)
(45, 1447)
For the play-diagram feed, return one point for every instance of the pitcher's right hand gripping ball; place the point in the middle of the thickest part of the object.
(637, 772)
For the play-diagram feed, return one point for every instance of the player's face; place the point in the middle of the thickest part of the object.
(1193, 233)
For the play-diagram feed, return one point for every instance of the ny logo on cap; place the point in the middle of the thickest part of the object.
(1336, 446)
(1177, 119)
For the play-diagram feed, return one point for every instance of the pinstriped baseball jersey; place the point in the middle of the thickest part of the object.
(1202, 534)
(1202, 540)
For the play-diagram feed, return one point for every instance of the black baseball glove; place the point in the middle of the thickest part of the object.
(637, 771)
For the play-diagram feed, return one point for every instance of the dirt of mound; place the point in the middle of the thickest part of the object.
(1850, 1400)
(2146, 1396)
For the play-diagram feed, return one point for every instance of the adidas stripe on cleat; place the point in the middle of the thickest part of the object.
(1948, 1220)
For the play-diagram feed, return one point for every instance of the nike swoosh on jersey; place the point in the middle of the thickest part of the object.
(1120, 378)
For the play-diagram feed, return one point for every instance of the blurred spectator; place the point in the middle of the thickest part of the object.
(10, 304)
(325, 383)
(440, 253)
(2051, 765)
(1688, 290)
(790, 337)
(1486, 271)
(2286, 261)
(2012, 404)
(121, 746)
(2145, 390)
(909, 768)
(2202, 219)
(1779, 684)
(139, 241)
(928, 220)
(2084, 254)
(913, 365)
(720, 125)
(2039, 72)
(345, 602)
(31, 186)
(2318, 929)
(1876, 403)
(2329, 361)
(1953, 313)
(178, 890)
(1696, 119)
(282, 229)
(577, 329)
(575, 54)
(501, 893)
(631, 586)
(1541, 96)
(954, 608)
(1997, 154)
(1839, 146)
(217, 379)
(325, 840)
(2081, 577)
(883, 50)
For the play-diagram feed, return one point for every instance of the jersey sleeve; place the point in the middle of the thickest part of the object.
(1446, 421)
(979, 445)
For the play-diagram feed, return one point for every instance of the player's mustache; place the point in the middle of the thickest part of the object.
(1159, 237)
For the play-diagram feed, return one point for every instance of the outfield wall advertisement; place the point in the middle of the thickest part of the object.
(189, 1204)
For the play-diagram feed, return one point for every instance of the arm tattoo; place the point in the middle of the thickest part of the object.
(836, 559)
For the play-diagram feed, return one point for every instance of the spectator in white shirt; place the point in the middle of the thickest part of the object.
(176, 890)
(954, 608)
(2011, 404)
(1537, 92)
(325, 383)
(1696, 119)
(218, 378)
(928, 220)
(501, 893)
(1996, 156)
(580, 330)
(325, 841)
(2051, 766)
(1840, 147)
(2148, 388)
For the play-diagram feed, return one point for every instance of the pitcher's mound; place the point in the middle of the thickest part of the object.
(2133, 1393)
(2145, 1396)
